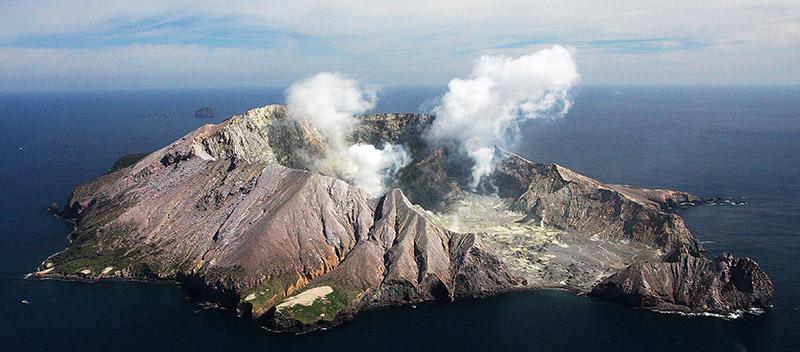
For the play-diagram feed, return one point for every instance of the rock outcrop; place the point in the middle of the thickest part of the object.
(559, 197)
(687, 284)
(204, 113)
(232, 213)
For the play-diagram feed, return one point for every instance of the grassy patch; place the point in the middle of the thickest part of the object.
(325, 308)
(266, 295)
(77, 258)
(87, 252)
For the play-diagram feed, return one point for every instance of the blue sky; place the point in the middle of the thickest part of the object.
(83, 45)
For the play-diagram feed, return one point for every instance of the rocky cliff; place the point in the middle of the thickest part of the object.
(724, 286)
(231, 212)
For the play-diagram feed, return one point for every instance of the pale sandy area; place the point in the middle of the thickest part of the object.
(306, 298)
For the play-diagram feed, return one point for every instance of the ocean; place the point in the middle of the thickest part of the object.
(714, 141)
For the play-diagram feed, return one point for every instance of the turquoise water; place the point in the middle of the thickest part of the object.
(713, 141)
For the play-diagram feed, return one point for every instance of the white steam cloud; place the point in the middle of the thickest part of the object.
(374, 166)
(329, 102)
(485, 109)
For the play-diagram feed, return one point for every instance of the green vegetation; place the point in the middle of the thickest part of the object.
(268, 294)
(78, 258)
(87, 253)
(75, 259)
(324, 308)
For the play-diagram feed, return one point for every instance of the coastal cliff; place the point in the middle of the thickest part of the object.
(725, 286)
(232, 213)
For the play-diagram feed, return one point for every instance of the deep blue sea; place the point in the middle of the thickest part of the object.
(739, 142)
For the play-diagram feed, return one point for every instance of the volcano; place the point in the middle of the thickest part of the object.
(234, 214)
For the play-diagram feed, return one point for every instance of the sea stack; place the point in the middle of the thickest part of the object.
(205, 113)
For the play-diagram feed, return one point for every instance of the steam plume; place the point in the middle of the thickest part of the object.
(374, 167)
(485, 109)
(329, 102)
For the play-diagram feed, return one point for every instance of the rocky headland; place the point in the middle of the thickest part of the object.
(231, 212)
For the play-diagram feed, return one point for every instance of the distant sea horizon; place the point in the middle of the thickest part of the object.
(441, 86)
(740, 141)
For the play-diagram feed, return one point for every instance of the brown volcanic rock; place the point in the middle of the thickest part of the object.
(428, 183)
(557, 196)
(200, 206)
(408, 258)
(393, 128)
(727, 285)
(425, 261)
(666, 199)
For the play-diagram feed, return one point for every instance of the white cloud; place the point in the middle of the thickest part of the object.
(408, 42)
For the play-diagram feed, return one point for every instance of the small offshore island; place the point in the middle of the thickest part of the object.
(232, 212)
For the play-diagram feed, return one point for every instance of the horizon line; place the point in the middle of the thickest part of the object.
(398, 86)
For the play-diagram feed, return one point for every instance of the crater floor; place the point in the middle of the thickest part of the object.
(545, 256)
